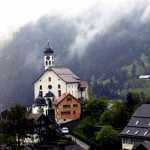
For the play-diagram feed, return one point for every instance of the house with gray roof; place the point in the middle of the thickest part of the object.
(138, 128)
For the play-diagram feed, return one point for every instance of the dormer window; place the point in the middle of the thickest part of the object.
(136, 132)
(128, 131)
(146, 133)
(137, 122)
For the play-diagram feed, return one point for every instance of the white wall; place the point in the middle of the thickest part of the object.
(44, 81)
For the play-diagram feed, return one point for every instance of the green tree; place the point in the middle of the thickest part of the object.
(119, 113)
(87, 125)
(107, 138)
(97, 107)
(133, 98)
(106, 118)
(15, 125)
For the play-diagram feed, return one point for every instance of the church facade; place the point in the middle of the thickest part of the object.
(55, 81)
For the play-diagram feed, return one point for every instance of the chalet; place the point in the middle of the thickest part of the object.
(138, 128)
(67, 108)
(39, 128)
(144, 77)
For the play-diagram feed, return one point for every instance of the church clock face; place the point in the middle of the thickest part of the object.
(47, 57)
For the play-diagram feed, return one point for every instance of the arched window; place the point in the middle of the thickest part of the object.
(46, 63)
(40, 87)
(59, 87)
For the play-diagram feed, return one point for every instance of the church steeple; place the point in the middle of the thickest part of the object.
(48, 56)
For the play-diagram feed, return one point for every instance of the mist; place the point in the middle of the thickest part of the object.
(85, 41)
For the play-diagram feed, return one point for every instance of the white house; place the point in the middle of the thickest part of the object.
(55, 81)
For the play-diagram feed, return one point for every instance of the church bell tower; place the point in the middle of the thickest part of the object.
(48, 57)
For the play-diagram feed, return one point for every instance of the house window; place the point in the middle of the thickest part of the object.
(59, 93)
(49, 79)
(59, 86)
(69, 99)
(75, 105)
(40, 87)
(35, 129)
(66, 106)
(42, 121)
(43, 128)
(66, 113)
(74, 112)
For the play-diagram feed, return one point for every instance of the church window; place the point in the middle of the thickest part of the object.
(52, 62)
(49, 79)
(52, 57)
(49, 62)
(41, 93)
(59, 93)
(59, 86)
(50, 86)
(46, 63)
(40, 87)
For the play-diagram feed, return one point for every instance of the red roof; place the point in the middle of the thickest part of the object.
(62, 97)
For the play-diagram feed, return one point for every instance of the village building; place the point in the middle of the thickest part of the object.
(67, 108)
(138, 128)
(144, 77)
(55, 81)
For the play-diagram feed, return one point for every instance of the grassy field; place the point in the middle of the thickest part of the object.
(139, 90)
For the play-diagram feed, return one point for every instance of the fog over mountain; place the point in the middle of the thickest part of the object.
(98, 41)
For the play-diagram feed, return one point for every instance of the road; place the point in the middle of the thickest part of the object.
(82, 144)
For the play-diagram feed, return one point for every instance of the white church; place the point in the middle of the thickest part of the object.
(55, 81)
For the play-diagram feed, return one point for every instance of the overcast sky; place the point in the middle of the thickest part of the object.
(14, 13)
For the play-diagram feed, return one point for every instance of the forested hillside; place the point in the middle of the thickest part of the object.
(109, 57)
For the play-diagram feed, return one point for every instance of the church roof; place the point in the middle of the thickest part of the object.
(48, 49)
(62, 97)
(49, 94)
(63, 73)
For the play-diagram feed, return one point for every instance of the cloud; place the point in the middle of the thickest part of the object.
(102, 16)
